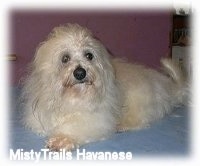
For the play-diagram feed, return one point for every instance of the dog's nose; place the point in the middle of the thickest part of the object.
(79, 73)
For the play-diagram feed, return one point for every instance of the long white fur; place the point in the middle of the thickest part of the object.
(121, 96)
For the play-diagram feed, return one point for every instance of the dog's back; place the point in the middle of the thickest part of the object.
(149, 95)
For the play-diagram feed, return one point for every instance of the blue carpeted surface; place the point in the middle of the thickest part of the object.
(169, 136)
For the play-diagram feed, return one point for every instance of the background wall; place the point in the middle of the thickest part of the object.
(138, 36)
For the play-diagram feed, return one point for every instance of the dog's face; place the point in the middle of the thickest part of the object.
(72, 62)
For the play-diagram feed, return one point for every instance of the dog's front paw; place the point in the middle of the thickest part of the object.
(58, 142)
(121, 128)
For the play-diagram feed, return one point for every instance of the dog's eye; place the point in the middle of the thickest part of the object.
(65, 58)
(89, 56)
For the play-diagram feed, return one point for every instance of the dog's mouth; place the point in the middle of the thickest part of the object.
(85, 82)
(70, 84)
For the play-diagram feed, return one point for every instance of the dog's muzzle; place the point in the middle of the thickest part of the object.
(81, 77)
(79, 73)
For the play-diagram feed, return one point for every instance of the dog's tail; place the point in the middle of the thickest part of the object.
(178, 77)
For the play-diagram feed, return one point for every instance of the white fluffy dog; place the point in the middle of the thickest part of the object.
(76, 93)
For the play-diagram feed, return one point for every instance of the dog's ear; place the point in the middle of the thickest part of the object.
(43, 57)
(39, 52)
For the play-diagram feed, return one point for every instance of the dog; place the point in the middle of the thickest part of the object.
(77, 93)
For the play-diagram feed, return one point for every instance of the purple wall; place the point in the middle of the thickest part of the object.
(141, 37)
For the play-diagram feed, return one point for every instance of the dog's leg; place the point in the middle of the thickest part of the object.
(133, 117)
(61, 141)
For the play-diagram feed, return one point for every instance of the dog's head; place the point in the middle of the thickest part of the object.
(73, 62)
